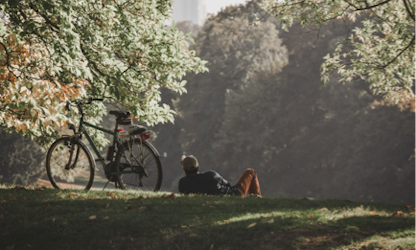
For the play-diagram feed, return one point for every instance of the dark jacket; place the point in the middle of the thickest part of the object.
(209, 182)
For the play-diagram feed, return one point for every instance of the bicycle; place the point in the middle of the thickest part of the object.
(133, 161)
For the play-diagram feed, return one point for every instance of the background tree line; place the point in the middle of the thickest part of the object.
(262, 106)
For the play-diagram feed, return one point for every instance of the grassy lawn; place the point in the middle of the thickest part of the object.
(54, 219)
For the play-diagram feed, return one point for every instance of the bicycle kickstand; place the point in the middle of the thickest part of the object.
(105, 185)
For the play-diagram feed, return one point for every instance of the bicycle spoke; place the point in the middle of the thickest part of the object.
(146, 167)
(80, 176)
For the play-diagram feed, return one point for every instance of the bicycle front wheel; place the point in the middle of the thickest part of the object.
(141, 165)
(66, 173)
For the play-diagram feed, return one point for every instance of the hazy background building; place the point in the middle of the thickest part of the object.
(189, 10)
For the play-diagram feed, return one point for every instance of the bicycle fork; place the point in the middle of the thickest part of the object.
(71, 153)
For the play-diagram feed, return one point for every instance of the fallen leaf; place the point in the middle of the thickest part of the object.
(310, 216)
(193, 235)
(128, 207)
(251, 225)
(3, 201)
(13, 198)
(397, 213)
(410, 208)
(345, 215)
(65, 223)
(131, 239)
(106, 218)
(352, 229)
(171, 196)
(72, 194)
(372, 213)
(269, 221)
(308, 198)
(92, 217)
(115, 197)
(212, 246)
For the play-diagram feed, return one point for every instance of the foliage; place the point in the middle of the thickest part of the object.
(380, 50)
(336, 141)
(235, 51)
(120, 50)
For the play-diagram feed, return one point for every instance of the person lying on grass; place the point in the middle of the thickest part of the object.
(211, 182)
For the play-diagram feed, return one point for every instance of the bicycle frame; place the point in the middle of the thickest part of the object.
(107, 167)
(85, 132)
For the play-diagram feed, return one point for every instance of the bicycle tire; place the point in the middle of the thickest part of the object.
(147, 177)
(80, 174)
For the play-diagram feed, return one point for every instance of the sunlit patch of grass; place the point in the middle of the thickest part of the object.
(249, 216)
(60, 219)
(403, 241)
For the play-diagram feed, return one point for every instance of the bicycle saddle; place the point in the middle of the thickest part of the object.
(123, 117)
(120, 114)
(136, 129)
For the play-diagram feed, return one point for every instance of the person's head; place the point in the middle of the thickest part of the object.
(190, 164)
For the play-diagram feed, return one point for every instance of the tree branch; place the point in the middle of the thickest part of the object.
(401, 52)
(368, 7)
(47, 20)
(412, 15)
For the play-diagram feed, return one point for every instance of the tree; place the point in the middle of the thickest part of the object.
(337, 141)
(235, 51)
(21, 160)
(380, 50)
(120, 50)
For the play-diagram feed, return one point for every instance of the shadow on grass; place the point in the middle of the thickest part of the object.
(45, 221)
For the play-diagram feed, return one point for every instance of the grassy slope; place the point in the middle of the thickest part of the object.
(49, 219)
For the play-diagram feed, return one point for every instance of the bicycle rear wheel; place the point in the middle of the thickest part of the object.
(79, 173)
(145, 167)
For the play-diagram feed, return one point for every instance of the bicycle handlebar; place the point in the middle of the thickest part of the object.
(81, 102)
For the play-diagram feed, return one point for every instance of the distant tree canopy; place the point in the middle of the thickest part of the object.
(380, 50)
(57, 50)
(235, 52)
(21, 160)
(303, 139)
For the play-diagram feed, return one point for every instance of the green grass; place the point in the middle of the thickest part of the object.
(50, 219)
